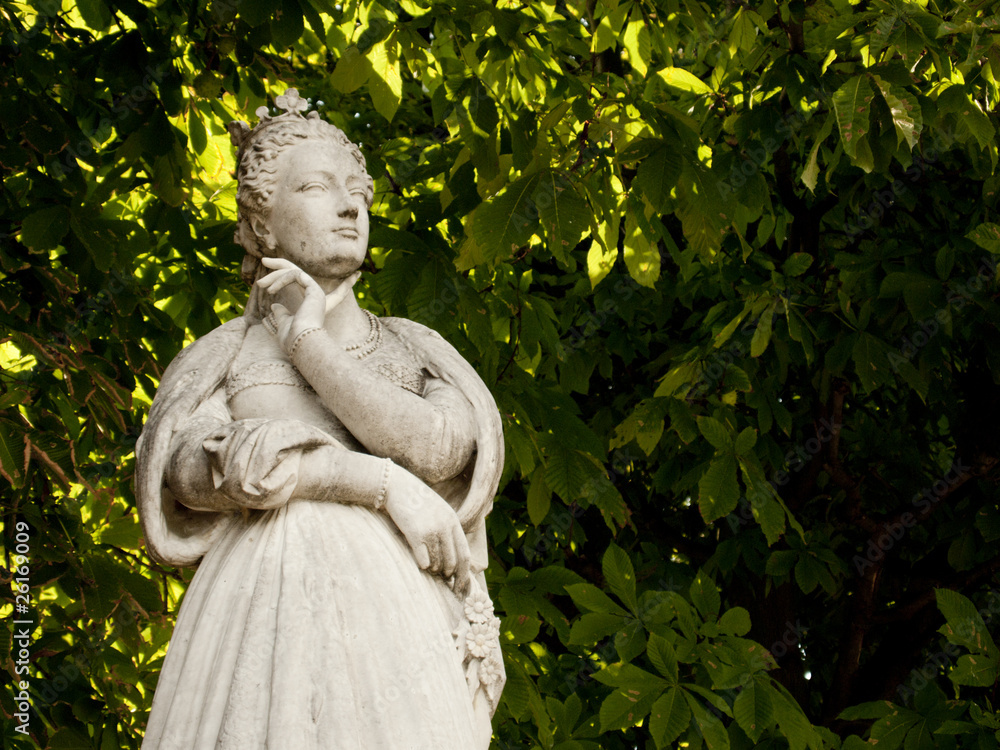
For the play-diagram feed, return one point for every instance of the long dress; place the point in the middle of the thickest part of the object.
(309, 625)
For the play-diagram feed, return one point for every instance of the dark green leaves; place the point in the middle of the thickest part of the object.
(501, 225)
(658, 173)
(852, 104)
(44, 229)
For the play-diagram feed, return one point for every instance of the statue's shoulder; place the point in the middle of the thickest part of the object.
(416, 334)
(208, 355)
(431, 349)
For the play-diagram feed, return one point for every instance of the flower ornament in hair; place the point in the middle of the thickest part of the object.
(291, 102)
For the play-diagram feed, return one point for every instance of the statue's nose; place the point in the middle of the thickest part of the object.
(348, 212)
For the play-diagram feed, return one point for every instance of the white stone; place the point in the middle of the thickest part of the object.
(329, 472)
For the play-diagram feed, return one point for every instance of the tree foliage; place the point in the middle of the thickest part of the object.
(729, 270)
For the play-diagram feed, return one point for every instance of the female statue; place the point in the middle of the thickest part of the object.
(331, 471)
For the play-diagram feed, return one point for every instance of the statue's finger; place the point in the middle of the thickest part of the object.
(449, 556)
(422, 556)
(280, 281)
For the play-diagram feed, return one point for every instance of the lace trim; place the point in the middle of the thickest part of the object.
(272, 372)
(403, 376)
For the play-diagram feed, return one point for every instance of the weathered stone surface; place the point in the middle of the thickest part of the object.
(329, 472)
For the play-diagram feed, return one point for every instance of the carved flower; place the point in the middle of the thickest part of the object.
(290, 101)
(481, 638)
(478, 607)
(491, 669)
(262, 113)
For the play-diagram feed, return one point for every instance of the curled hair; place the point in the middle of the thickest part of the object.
(258, 149)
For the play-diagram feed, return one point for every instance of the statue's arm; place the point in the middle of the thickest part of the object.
(218, 464)
(432, 435)
(221, 464)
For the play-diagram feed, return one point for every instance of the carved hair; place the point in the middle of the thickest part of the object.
(258, 149)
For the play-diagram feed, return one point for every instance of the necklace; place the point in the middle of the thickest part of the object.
(372, 342)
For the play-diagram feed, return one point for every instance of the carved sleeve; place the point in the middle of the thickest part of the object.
(432, 436)
(220, 464)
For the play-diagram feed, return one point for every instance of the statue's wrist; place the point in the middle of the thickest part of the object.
(300, 338)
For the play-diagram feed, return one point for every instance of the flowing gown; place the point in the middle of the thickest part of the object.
(309, 626)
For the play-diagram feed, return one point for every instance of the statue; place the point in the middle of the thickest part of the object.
(330, 472)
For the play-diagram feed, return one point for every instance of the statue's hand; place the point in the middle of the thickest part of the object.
(431, 528)
(315, 304)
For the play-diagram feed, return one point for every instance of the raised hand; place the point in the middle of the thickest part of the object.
(315, 303)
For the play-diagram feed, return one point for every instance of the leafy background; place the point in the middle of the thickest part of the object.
(730, 271)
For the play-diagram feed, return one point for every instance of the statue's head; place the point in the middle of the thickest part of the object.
(269, 159)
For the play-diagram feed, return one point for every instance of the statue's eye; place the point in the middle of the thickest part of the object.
(312, 186)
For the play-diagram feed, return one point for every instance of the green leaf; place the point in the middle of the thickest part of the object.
(661, 654)
(718, 489)
(905, 111)
(852, 103)
(715, 432)
(796, 264)
(635, 40)
(705, 595)
(682, 80)
(385, 84)
(965, 626)
(762, 334)
(539, 497)
(669, 717)
(586, 596)
(288, 25)
(258, 12)
(794, 725)
(752, 711)
(604, 36)
(501, 225)
(44, 229)
(870, 710)
(642, 256)
(742, 33)
(123, 532)
(564, 214)
(712, 730)
(594, 627)
(95, 13)
(735, 621)
(352, 71)
(675, 378)
(620, 575)
(810, 173)
(657, 174)
(621, 711)
(987, 236)
(871, 361)
(975, 670)
(69, 739)
(746, 440)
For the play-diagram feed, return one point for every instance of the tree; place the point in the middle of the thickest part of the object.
(729, 271)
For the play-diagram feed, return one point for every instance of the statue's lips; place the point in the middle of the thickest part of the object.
(348, 233)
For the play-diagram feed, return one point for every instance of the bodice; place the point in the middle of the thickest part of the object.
(263, 382)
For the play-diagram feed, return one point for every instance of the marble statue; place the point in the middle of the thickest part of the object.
(329, 472)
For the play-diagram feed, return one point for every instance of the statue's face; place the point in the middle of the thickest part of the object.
(318, 216)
